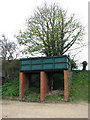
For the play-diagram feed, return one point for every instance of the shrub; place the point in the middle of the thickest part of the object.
(11, 88)
(84, 63)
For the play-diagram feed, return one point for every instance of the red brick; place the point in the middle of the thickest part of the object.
(43, 85)
(23, 84)
(66, 91)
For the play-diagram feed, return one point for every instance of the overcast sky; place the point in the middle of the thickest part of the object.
(13, 14)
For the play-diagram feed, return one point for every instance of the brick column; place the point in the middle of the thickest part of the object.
(66, 91)
(43, 85)
(23, 84)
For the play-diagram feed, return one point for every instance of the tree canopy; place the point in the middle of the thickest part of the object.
(50, 31)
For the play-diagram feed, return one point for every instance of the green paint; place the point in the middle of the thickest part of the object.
(44, 63)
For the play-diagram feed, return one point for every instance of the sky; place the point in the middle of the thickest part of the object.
(13, 15)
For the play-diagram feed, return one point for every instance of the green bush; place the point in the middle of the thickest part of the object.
(32, 90)
(27, 92)
(11, 88)
(11, 92)
(7, 84)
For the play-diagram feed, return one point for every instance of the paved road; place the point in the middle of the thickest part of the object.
(17, 109)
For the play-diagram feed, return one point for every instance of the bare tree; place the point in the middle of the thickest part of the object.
(7, 52)
(7, 49)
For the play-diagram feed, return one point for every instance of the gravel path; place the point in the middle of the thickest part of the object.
(17, 109)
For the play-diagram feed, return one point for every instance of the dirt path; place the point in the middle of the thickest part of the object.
(17, 109)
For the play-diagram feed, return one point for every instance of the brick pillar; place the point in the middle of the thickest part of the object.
(23, 84)
(66, 91)
(43, 85)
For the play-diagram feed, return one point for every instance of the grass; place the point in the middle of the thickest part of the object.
(32, 97)
(54, 97)
(79, 90)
